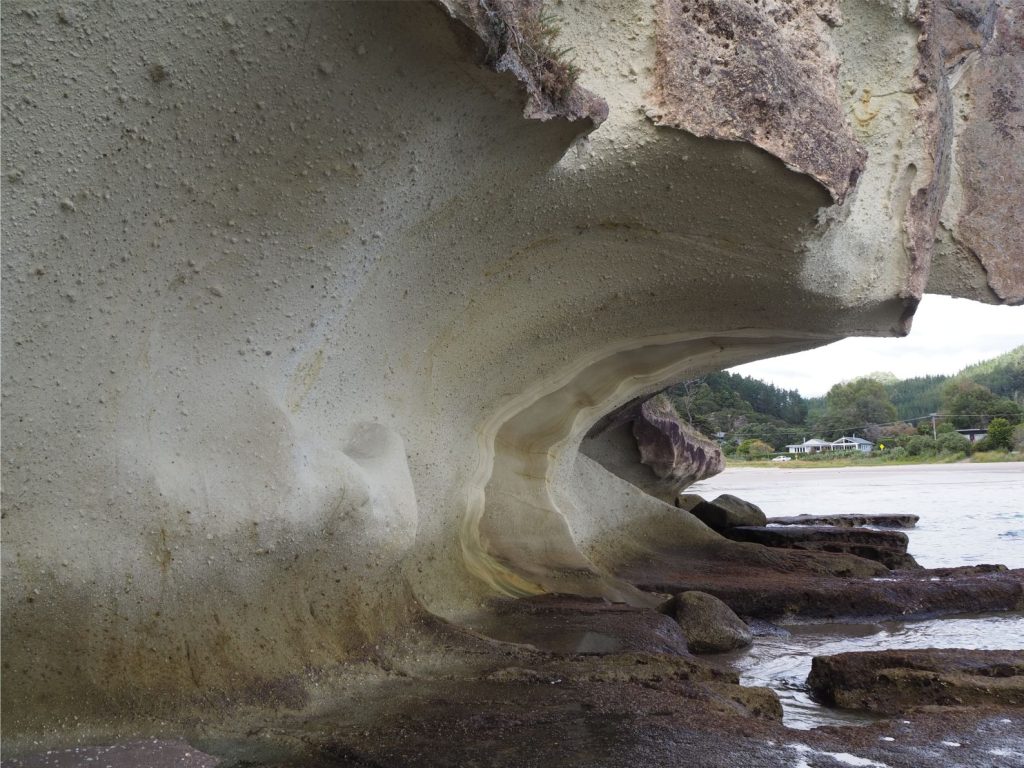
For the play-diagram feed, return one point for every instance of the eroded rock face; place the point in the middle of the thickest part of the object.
(982, 46)
(676, 452)
(649, 445)
(305, 321)
(765, 73)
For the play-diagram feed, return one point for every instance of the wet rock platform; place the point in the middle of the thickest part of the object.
(765, 583)
(886, 547)
(898, 681)
(849, 520)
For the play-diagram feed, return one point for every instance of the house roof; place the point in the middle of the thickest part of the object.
(854, 440)
(811, 442)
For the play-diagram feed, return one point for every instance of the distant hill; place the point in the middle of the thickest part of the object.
(744, 408)
(921, 395)
(1004, 375)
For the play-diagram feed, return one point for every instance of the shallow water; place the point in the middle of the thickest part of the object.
(970, 514)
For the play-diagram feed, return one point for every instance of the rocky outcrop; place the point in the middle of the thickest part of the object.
(886, 547)
(848, 520)
(728, 511)
(767, 583)
(572, 624)
(648, 444)
(676, 452)
(981, 230)
(709, 624)
(895, 682)
(762, 73)
(309, 309)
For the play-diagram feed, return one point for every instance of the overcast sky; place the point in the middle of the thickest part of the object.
(947, 335)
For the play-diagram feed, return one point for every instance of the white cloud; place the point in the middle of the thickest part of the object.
(947, 335)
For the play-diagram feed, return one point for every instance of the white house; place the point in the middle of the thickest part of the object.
(815, 445)
(853, 444)
(810, 446)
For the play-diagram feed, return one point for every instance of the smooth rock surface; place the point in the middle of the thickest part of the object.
(894, 682)
(688, 501)
(709, 624)
(308, 309)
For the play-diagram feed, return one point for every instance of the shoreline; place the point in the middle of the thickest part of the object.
(876, 461)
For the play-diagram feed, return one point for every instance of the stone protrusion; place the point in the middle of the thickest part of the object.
(676, 452)
(728, 511)
(894, 682)
(709, 624)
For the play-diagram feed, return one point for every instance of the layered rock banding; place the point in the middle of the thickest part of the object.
(651, 446)
(848, 520)
(887, 547)
(309, 308)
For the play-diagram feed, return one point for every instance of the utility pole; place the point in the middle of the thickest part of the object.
(934, 436)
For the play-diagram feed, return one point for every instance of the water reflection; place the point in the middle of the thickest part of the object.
(783, 662)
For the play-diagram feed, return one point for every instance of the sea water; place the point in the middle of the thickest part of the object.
(969, 514)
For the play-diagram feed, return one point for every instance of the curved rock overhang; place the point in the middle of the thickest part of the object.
(304, 319)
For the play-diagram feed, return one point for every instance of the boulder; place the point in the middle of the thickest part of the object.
(849, 521)
(886, 547)
(893, 682)
(709, 624)
(728, 511)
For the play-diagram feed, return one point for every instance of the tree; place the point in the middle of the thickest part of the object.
(971, 405)
(1018, 437)
(953, 442)
(919, 445)
(1000, 434)
(754, 448)
(855, 406)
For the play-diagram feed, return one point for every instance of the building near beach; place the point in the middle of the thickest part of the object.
(815, 445)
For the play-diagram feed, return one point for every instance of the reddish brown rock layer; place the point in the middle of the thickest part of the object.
(776, 583)
(892, 682)
(886, 547)
(991, 146)
(676, 452)
(764, 73)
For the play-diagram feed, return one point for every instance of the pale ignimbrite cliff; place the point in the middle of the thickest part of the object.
(308, 306)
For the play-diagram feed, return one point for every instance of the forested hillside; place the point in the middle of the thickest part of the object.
(741, 407)
(753, 416)
(922, 395)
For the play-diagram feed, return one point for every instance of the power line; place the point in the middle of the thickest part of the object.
(755, 428)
